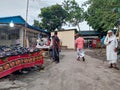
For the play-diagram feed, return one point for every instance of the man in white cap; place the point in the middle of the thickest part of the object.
(111, 46)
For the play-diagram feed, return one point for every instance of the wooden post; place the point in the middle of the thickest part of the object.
(25, 32)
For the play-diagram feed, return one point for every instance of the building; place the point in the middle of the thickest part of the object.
(92, 38)
(21, 33)
(67, 38)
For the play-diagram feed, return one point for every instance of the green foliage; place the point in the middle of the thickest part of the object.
(36, 23)
(102, 15)
(75, 12)
(52, 17)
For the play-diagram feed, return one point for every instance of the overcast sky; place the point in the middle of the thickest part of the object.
(18, 7)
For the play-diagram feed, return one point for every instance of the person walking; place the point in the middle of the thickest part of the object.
(79, 44)
(56, 47)
(111, 49)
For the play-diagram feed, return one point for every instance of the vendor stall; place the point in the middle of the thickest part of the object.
(17, 33)
(11, 64)
(45, 48)
(14, 54)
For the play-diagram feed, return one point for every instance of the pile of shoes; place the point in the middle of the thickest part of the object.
(13, 50)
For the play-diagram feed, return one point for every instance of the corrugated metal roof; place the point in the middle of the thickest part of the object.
(19, 20)
(14, 19)
(90, 33)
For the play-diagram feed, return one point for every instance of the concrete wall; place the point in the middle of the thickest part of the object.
(67, 38)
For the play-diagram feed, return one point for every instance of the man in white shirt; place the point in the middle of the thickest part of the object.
(111, 49)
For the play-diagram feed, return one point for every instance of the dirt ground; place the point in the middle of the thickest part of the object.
(97, 53)
(69, 74)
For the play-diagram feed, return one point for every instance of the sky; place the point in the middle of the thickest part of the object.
(18, 7)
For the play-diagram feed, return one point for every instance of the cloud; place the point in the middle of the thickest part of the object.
(18, 7)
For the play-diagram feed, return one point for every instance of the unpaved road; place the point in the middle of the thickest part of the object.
(69, 74)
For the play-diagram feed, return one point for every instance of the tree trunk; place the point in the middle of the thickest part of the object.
(78, 27)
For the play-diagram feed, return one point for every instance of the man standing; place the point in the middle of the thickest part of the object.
(56, 47)
(111, 45)
(79, 44)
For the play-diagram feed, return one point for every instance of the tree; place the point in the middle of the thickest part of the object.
(75, 13)
(102, 15)
(37, 24)
(52, 17)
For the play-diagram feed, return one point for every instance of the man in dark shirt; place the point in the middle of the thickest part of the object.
(56, 46)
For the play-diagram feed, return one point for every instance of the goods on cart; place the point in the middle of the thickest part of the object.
(13, 50)
(17, 58)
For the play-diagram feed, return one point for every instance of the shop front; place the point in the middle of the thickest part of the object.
(16, 43)
(92, 38)
(22, 33)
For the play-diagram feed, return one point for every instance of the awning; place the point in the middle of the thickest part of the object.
(20, 21)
